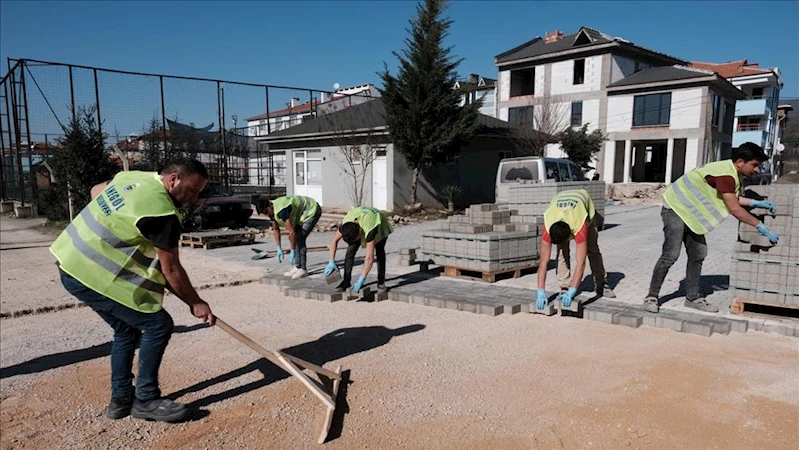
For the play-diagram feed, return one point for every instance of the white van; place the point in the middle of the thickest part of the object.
(533, 169)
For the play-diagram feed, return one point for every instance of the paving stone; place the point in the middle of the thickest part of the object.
(381, 296)
(416, 299)
(720, 326)
(435, 302)
(600, 314)
(467, 306)
(548, 310)
(671, 321)
(739, 326)
(628, 318)
(697, 327)
(511, 309)
(398, 296)
(330, 296)
(784, 330)
(490, 310)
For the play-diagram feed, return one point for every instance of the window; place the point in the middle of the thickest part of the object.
(749, 123)
(716, 110)
(651, 110)
(552, 170)
(314, 167)
(576, 173)
(522, 82)
(757, 92)
(504, 154)
(563, 172)
(521, 116)
(577, 114)
(579, 71)
(637, 67)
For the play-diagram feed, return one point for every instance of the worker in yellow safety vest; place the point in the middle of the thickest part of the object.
(299, 215)
(571, 215)
(693, 206)
(362, 227)
(117, 256)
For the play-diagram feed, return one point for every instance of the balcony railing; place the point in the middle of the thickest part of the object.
(749, 127)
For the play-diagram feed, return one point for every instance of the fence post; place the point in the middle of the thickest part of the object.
(97, 102)
(220, 98)
(72, 93)
(18, 138)
(163, 118)
(31, 145)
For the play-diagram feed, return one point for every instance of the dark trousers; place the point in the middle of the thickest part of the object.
(150, 331)
(380, 256)
(677, 234)
(303, 231)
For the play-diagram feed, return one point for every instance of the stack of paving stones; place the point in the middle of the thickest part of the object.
(762, 272)
(407, 257)
(531, 200)
(484, 240)
(313, 288)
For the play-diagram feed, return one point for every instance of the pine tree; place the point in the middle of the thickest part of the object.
(423, 113)
(82, 163)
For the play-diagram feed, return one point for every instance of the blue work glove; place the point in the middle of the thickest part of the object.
(359, 284)
(279, 254)
(331, 267)
(292, 258)
(765, 232)
(763, 204)
(567, 297)
(541, 301)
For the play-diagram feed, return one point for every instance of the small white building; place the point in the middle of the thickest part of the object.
(477, 87)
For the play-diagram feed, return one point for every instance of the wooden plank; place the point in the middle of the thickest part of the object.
(329, 412)
(488, 277)
(316, 390)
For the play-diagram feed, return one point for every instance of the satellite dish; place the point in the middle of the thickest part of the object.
(336, 86)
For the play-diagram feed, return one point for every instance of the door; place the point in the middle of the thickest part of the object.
(308, 174)
(380, 180)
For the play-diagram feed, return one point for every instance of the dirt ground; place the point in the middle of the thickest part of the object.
(419, 378)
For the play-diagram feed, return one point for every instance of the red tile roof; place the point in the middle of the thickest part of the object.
(733, 69)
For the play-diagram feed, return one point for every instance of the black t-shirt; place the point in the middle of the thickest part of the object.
(285, 214)
(164, 231)
(372, 235)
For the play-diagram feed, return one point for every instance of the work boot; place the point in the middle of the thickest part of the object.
(382, 288)
(291, 272)
(161, 409)
(299, 273)
(118, 408)
(342, 287)
(701, 304)
(606, 292)
(651, 304)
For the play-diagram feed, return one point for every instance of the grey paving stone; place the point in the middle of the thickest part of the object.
(435, 302)
(628, 319)
(548, 310)
(739, 326)
(490, 310)
(697, 327)
(669, 321)
(467, 306)
(784, 330)
(720, 326)
(512, 309)
(398, 296)
(600, 314)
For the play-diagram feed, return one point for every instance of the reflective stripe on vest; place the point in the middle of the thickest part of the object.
(699, 205)
(573, 207)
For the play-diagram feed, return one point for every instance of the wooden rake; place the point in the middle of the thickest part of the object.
(290, 364)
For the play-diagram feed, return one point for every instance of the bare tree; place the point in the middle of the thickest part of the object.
(358, 141)
(544, 125)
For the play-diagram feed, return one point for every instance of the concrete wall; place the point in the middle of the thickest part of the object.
(563, 76)
(620, 113)
(591, 114)
(686, 108)
(475, 172)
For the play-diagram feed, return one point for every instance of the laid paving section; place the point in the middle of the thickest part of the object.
(429, 289)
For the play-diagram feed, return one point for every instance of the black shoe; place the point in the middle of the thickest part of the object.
(118, 409)
(342, 287)
(161, 409)
(381, 288)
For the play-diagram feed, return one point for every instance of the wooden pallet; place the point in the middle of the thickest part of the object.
(488, 277)
(213, 239)
(764, 309)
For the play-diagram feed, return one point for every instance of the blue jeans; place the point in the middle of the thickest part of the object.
(151, 331)
(303, 232)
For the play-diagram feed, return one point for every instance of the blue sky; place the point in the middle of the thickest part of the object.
(315, 44)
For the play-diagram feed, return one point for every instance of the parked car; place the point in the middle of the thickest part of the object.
(533, 169)
(217, 207)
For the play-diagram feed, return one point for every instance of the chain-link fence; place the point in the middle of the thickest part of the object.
(148, 118)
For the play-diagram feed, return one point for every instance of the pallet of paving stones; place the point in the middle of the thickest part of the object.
(764, 277)
(533, 199)
(214, 239)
